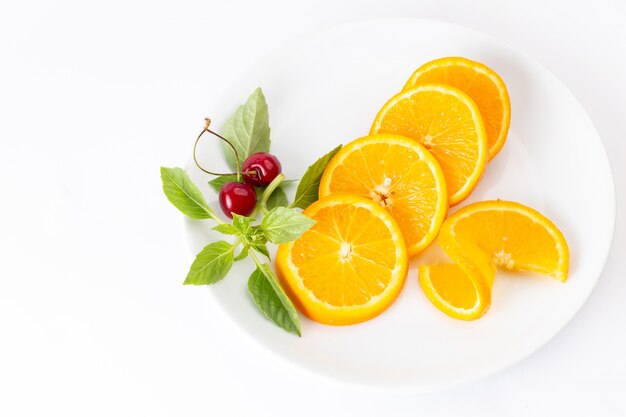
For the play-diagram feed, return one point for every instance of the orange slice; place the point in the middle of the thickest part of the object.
(349, 267)
(478, 81)
(400, 175)
(482, 237)
(448, 123)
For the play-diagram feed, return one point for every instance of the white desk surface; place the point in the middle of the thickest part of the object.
(94, 97)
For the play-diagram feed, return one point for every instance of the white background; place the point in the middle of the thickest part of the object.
(94, 97)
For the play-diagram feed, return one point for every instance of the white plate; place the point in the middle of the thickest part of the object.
(326, 89)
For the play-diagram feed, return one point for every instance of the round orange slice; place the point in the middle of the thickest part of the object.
(482, 237)
(448, 123)
(400, 175)
(349, 267)
(479, 82)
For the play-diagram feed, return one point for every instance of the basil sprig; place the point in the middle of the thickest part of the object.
(248, 130)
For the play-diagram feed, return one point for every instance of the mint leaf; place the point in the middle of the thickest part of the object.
(184, 194)
(261, 247)
(277, 199)
(226, 229)
(307, 192)
(242, 225)
(259, 193)
(282, 225)
(211, 264)
(271, 299)
(243, 254)
(217, 182)
(248, 129)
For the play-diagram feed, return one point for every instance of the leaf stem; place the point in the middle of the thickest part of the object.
(255, 259)
(269, 190)
(217, 219)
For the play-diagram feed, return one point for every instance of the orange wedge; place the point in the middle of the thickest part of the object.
(400, 175)
(478, 81)
(447, 122)
(482, 237)
(349, 267)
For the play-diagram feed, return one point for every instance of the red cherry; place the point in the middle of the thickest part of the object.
(264, 167)
(238, 198)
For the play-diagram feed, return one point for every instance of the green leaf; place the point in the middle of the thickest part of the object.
(307, 192)
(248, 129)
(226, 229)
(271, 299)
(184, 194)
(217, 182)
(277, 199)
(282, 225)
(259, 193)
(261, 247)
(211, 264)
(242, 225)
(243, 254)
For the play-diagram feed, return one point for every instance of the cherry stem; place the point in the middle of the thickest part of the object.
(207, 123)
